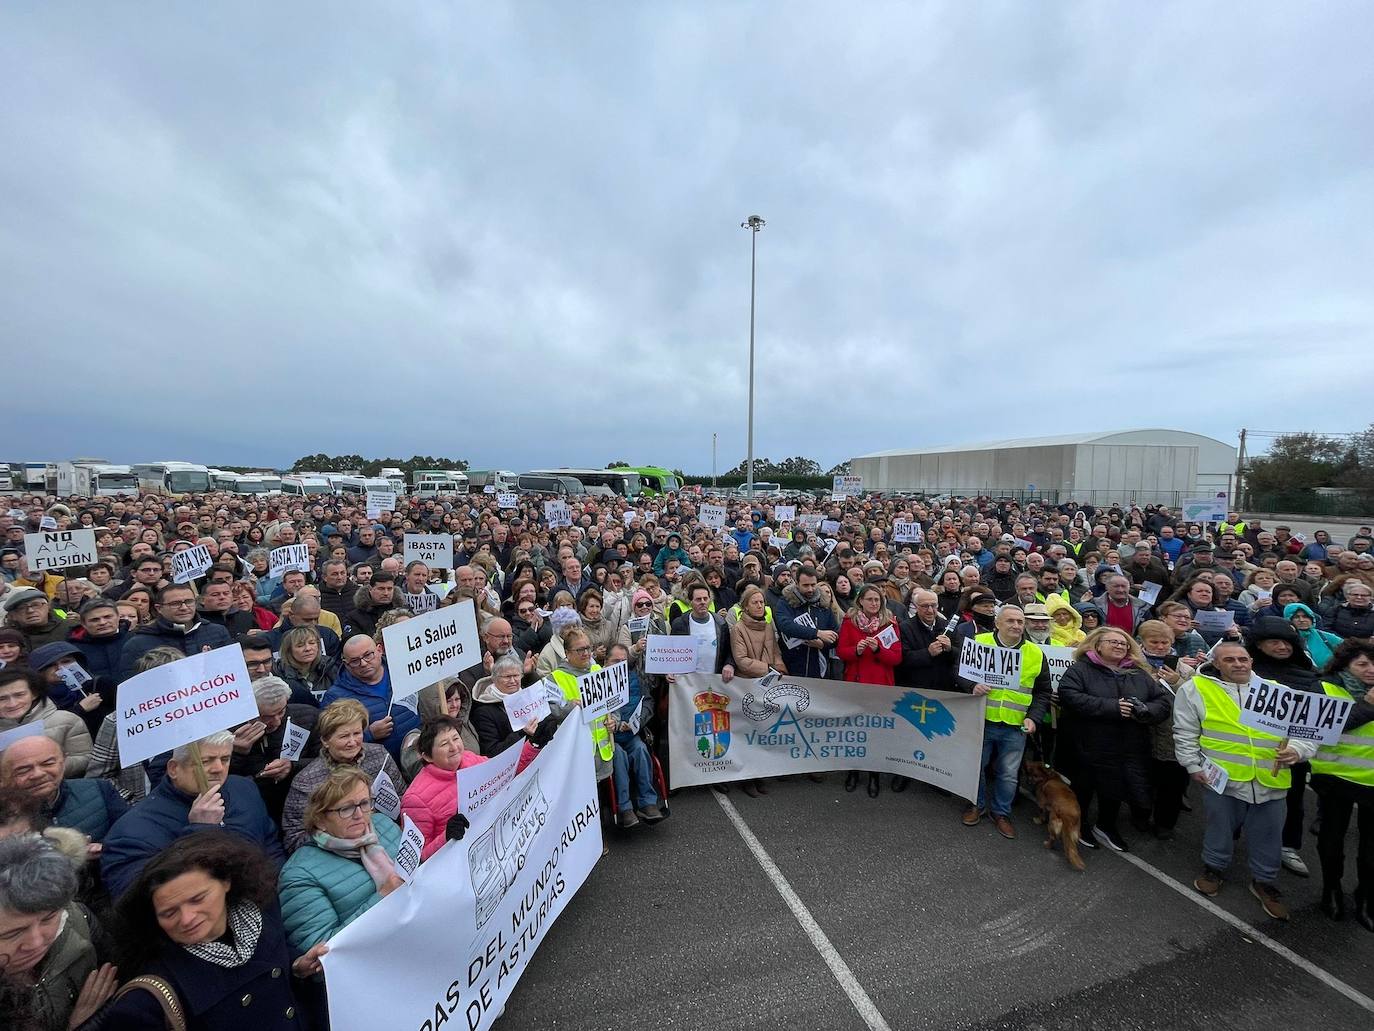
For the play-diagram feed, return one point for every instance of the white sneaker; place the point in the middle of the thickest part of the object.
(1292, 862)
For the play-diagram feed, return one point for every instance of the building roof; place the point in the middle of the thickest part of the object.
(1066, 439)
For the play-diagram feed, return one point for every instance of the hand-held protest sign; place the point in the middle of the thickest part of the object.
(1215, 620)
(293, 741)
(190, 563)
(289, 558)
(9, 737)
(433, 549)
(524, 705)
(385, 798)
(1303, 715)
(426, 601)
(428, 648)
(904, 532)
(784, 513)
(888, 636)
(603, 690)
(379, 501)
(990, 665)
(74, 676)
(1205, 510)
(830, 526)
(1149, 592)
(847, 485)
(508, 500)
(410, 850)
(182, 702)
(665, 653)
(1059, 658)
(479, 785)
(712, 516)
(557, 513)
(60, 549)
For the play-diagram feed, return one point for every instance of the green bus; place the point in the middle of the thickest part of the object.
(654, 480)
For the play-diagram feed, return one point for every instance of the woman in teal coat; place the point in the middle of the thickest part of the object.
(346, 866)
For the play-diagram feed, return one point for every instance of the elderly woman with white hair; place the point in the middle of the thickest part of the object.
(258, 743)
(49, 976)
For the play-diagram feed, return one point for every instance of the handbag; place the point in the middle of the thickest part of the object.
(165, 996)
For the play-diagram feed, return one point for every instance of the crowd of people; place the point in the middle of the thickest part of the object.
(200, 889)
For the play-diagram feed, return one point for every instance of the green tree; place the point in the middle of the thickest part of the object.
(1297, 461)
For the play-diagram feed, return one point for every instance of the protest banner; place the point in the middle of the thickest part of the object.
(379, 501)
(1205, 510)
(603, 690)
(190, 563)
(423, 650)
(426, 601)
(556, 514)
(1301, 715)
(830, 527)
(452, 944)
(784, 513)
(637, 625)
(847, 485)
(810, 520)
(74, 676)
(1149, 592)
(888, 637)
(904, 532)
(480, 785)
(291, 557)
(47, 523)
(9, 737)
(989, 664)
(183, 701)
(490, 488)
(385, 798)
(1021, 542)
(665, 653)
(293, 740)
(712, 516)
(61, 549)
(722, 731)
(507, 499)
(1216, 621)
(524, 705)
(411, 848)
(433, 549)
(1059, 658)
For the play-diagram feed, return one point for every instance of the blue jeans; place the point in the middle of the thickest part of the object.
(1005, 744)
(1263, 825)
(631, 759)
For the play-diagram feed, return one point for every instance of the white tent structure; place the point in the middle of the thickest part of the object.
(1153, 464)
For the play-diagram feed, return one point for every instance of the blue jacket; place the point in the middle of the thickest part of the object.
(90, 806)
(162, 818)
(322, 892)
(162, 634)
(375, 698)
(802, 661)
(742, 537)
(1172, 548)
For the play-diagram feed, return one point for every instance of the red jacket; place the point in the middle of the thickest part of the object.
(872, 667)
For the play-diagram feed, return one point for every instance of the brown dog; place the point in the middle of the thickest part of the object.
(1058, 809)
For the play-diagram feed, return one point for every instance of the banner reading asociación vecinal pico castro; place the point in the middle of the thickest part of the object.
(736, 731)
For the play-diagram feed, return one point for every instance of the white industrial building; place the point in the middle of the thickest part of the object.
(1163, 465)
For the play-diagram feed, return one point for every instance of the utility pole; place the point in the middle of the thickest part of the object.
(1240, 472)
(713, 461)
(753, 223)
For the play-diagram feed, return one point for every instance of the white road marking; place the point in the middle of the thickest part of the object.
(1190, 893)
(848, 982)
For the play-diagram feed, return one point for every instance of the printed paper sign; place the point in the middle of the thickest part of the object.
(888, 637)
(1205, 510)
(293, 741)
(665, 653)
(74, 677)
(190, 563)
(1059, 658)
(47, 523)
(989, 664)
(508, 499)
(524, 705)
(712, 516)
(628, 516)
(557, 513)
(1149, 592)
(379, 501)
(1300, 715)
(183, 701)
(637, 625)
(426, 649)
(810, 520)
(292, 557)
(830, 527)
(60, 549)
(784, 513)
(490, 488)
(479, 785)
(1216, 621)
(907, 532)
(1216, 777)
(408, 853)
(9, 737)
(603, 690)
(433, 549)
(385, 797)
(1021, 542)
(848, 485)
(418, 603)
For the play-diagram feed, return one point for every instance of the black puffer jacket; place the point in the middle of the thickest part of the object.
(1113, 750)
(1296, 671)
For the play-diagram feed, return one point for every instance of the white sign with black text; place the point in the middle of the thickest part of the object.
(61, 549)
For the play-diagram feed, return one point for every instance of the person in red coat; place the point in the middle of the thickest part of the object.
(871, 648)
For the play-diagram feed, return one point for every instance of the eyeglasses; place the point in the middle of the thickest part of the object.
(644, 604)
(350, 811)
(580, 649)
(258, 663)
(359, 660)
(524, 612)
(185, 603)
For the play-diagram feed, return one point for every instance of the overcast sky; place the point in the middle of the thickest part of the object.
(237, 233)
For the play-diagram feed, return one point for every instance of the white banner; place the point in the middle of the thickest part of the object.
(183, 701)
(988, 664)
(60, 549)
(723, 732)
(712, 516)
(784, 513)
(904, 532)
(603, 690)
(451, 945)
(379, 501)
(1205, 510)
(426, 649)
(190, 563)
(1294, 714)
(557, 513)
(524, 705)
(508, 500)
(664, 653)
(433, 549)
(288, 558)
(848, 485)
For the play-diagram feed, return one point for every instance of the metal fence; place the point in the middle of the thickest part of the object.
(1356, 504)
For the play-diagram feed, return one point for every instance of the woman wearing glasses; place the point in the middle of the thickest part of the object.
(346, 865)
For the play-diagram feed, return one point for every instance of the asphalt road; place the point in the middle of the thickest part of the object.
(942, 926)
